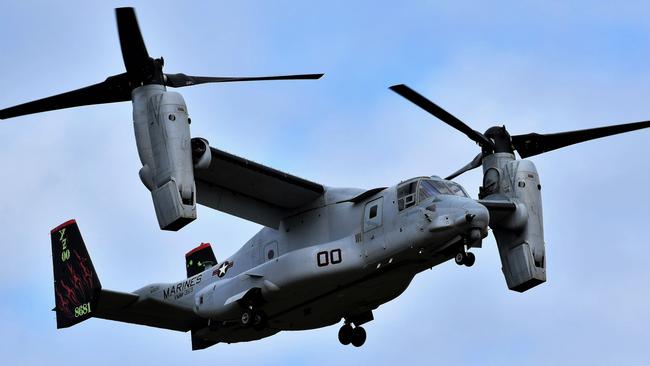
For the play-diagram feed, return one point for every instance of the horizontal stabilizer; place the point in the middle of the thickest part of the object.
(134, 309)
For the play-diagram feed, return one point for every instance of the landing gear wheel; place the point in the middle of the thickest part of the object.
(460, 258)
(470, 258)
(358, 337)
(246, 317)
(259, 320)
(345, 334)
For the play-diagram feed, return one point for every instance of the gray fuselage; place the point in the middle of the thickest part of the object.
(335, 258)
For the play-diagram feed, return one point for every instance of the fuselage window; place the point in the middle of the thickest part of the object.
(372, 215)
(373, 212)
(270, 251)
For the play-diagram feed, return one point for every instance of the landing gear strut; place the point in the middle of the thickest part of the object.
(466, 258)
(356, 335)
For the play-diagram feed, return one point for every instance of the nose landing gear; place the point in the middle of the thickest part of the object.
(466, 258)
(356, 336)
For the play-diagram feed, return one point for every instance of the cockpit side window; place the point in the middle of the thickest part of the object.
(406, 195)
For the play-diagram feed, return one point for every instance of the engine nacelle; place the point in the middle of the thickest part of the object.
(201, 154)
(162, 134)
(520, 235)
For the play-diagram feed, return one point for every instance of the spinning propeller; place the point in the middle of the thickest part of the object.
(497, 139)
(141, 69)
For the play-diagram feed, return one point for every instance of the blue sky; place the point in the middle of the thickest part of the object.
(532, 65)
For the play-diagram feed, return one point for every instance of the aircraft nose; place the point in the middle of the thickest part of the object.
(468, 217)
(477, 218)
(477, 214)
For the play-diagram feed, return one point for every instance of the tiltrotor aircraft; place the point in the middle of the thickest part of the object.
(324, 254)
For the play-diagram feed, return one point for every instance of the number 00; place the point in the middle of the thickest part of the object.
(325, 258)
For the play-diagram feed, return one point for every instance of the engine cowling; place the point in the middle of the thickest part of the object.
(162, 132)
(201, 154)
(520, 235)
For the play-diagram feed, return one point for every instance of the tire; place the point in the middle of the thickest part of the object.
(358, 337)
(470, 258)
(345, 334)
(246, 318)
(460, 258)
(259, 320)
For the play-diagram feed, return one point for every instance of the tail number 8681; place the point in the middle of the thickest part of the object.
(82, 310)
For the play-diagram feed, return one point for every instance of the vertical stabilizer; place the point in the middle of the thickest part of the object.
(199, 259)
(76, 284)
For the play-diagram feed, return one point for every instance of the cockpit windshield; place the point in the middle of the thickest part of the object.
(429, 187)
(425, 188)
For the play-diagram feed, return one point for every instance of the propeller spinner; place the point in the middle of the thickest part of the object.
(497, 139)
(141, 69)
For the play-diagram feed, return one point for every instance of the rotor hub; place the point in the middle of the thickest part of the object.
(501, 139)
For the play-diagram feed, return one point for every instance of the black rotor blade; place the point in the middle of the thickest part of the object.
(475, 163)
(446, 117)
(134, 52)
(113, 89)
(181, 80)
(533, 143)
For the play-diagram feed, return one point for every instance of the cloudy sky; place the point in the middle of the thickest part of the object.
(531, 65)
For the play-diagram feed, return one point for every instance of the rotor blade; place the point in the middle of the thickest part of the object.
(441, 114)
(533, 143)
(181, 80)
(113, 89)
(475, 163)
(134, 52)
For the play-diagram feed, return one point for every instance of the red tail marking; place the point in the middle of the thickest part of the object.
(63, 303)
(87, 274)
(69, 293)
(200, 247)
(69, 222)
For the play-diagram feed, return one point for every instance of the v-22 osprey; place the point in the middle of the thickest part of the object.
(325, 254)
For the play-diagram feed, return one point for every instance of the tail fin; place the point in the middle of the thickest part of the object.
(199, 258)
(76, 284)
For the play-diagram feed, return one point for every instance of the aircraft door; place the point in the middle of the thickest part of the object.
(373, 230)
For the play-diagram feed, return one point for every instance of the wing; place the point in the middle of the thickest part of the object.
(130, 308)
(250, 190)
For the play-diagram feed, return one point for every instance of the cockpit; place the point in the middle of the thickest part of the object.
(417, 190)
